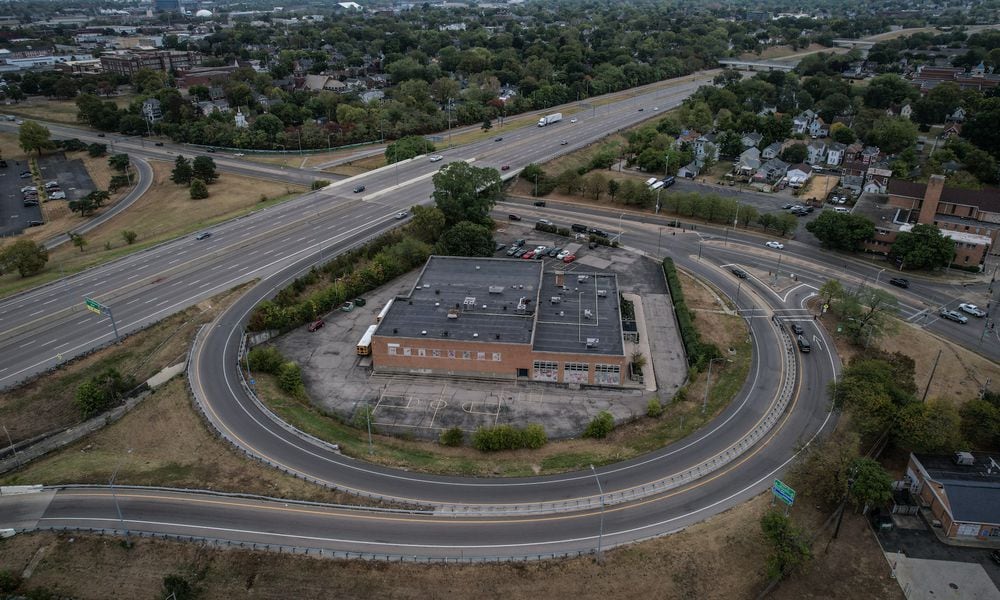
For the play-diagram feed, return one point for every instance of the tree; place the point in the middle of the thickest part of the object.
(794, 153)
(129, 236)
(102, 391)
(199, 191)
(886, 90)
(933, 426)
(428, 223)
(980, 128)
(408, 147)
(466, 239)
(182, 172)
(923, 247)
(868, 313)
(290, 378)
(789, 547)
(841, 231)
(830, 291)
(595, 184)
(26, 256)
(870, 485)
(570, 181)
(78, 240)
(822, 472)
(267, 124)
(614, 186)
(487, 124)
(980, 424)
(96, 150)
(466, 193)
(893, 134)
(34, 136)
(118, 162)
(843, 134)
(203, 168)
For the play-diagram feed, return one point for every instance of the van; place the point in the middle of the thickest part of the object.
(803, 344)
(842, 210)
(578, 228)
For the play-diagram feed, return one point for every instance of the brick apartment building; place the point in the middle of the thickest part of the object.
(130, 62)
(970, 217)
(505, 319)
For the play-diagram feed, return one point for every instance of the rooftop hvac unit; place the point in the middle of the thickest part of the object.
(592, 342)
(556, 299)
(587, 314)
(602, 293)
(452, 314)
(469, 303)
(427, 286)
(582, 278)
(496, 289)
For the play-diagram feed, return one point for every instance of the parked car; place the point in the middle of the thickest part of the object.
(25, 174)
(570, 258)
(51, 184)
(518, 243)
(900, 282)
(563, 142)
(513, 250)
(498, 247)
(211, 150)
(739, 273)
(158, 144)
(513, 217)
(554, 252)
(35, 223)
(521, 252)
(954, 316)
(528, 254)
(29, 202)
(57, 196)
(573, 120)
(995, 555)
(562, 254)
(28, 188)
(316, 325)
(436, 158)
(972, 309)
(775, 245)
(347, 306)
(203, 235)
(786, 206)
(358, 189)
(100, 135)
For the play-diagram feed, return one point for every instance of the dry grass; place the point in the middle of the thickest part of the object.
(57, 111)
(722, 558)
(819, 187)
(304, 161)
(358, 167)
(774, 52)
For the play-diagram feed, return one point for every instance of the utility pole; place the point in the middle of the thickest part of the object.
(17, 459)
(931, 378)
(600, 535)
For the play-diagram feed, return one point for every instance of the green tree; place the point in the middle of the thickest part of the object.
(831, 290)
(203, 168)
(129, 236)
(269, 125)
(34, 137)
(980, 128)
(428, 223)
(182, 172)
(822, 471)
(795, 153)
(25, 256)
(934, 426)
(198, 189)
(466, 239)
(886, 90)
(78, 240)
(97, 150)
(600, 426)
(842, 134)
(466, 193)
(408, 147)
(841, 231)
(118, 162)
(893, 134)
(614, 186)
(102, 391)
(981, 424)
(789, 546)
(85, 206)
(290, 378)
(487, 124)
(871, 485)
(868, 313)
(923, 247)
(570, 181)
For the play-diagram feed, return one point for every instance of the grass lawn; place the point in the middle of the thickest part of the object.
(305, 161)
(164, 212)
(57, 111)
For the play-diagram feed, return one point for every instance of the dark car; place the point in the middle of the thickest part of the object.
(641, 109)
(553, 252)
(505, 168)
(513, 217)
(521, 252)
(317, 324)
(100, 135)
(995, 555)
(358, 189)
(499, 139)
(797, 329)
(35, 223)
(212, 150)
(563, 143)
(739, 273)
(900, 282)
(803, 344)
(540, 203)
(513, 250)
(954, 316)
(158, 144)
(519, 243)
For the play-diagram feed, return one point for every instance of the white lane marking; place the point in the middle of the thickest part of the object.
(176, 260)
(133, 277)
(216, 267)
(162, 303)
(206, 284)
(61, 345)
(48, 343)
(31, 343)
(37, 312)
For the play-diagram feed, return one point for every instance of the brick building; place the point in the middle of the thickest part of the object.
(130, 62)
(505, 319)
(970, 217)
(928, 77)
(961, 492)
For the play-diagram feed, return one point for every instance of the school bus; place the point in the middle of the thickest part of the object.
(365, 344)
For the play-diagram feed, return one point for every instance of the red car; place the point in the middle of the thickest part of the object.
(317, 324)
(529, 254)
(505, 168)
(569, 258)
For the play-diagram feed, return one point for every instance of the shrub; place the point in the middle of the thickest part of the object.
(129, 236)
(600, 426)
(9, 582)
(534, 437)
(290, 378)
(506, 437)
(102, 391)
(265, 359)
(452, 437)
(698, 353)
(179, 588)
(363, 418)
(319, 184)
(654, 409)
(199, 191)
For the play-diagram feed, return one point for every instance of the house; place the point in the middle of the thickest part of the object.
(951, 131)
(818, 128)
(798, 174)
(208, 107)
(816, 152)
(151, 110)
(877, 180)
(853, 183)
(771, 171)
(372, 96)
(853, 151)
(706, 148)
(751, 140)
(957, 116)
(835, 154)
(772, 151)
(316, 83)
(959, 493)
(690, 170)
(686, 137)
(870, 154)
(800, 124)
(906, 111)
(748, 162)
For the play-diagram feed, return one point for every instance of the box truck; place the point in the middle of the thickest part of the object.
(549, 119)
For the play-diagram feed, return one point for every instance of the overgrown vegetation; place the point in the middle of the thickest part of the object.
(507, 437)
(789, 546)
(600, 426)
(699, 353)
(102, 391)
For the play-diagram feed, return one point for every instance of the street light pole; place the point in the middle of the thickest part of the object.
(620, 231)
(600, 535)
(708, 384)
(879, 274)
(114, 496)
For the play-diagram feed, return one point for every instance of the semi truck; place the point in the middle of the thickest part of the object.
(549, 119)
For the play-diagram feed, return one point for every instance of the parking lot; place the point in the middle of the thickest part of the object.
(72, 179)
(72, 175)
(16, 216)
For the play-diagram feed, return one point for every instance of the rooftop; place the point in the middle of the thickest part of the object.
(501, 300)
(973, 490)
(986, 199)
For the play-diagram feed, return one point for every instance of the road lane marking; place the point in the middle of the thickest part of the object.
(37, 312)
(31, 343)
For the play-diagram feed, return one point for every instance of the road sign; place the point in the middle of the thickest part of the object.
(94, 306)
(783, 492)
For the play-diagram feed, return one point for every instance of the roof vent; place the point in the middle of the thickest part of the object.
(587, 314)
(477, 267)
(602, 293)
(496, 289)
(437, 304)
(394, 330)
(427, 286)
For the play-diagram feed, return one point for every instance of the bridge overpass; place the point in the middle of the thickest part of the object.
(756, 65)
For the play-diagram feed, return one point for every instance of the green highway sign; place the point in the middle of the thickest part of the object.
(94, 305)
(782, 491)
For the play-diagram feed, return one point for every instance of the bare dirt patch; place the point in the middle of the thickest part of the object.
(722, 558)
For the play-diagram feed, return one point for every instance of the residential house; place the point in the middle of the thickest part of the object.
(835, 154)
(706, 148)
(800, 124)
(151, 110)
(686, 137)
(315, 83)
(748, 162)
(853, 151)
(690, 170)
(772, 151)
(751, 140)
(877, 180)
(818, 128)
(957, 116)
(372, 96)
(853, 183)
(953, 130)
(816, 152)
(771, 171)
(906, 111)
(798, 174)
(870, 154)
(899, 111)
(208, 107)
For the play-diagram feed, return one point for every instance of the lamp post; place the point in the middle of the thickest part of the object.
(620, 231)
(708, 384)
(658, 236)
(114, 496)
(600, 534)
(877, 275)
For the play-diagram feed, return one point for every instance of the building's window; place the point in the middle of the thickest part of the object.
(576, 373)
(545, 371)
(966, 258)
(480, 356)
(393, 349)
(466, 355)
(607, 374)
(496, 356)
(436, 353)
(421, 352)
(407, 351)
(451, 354)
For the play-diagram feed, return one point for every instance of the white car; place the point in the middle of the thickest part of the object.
(57, 196)
(436, 158)
(544, 222)
(28, 188)
(656, 108)
(775, 245)
(972, 309)
(562, 254)
(572, 120)
(402, 214)
(239, 154)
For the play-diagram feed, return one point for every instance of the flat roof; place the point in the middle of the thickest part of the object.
(511, 301)
(482, 295)
(973, 490)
